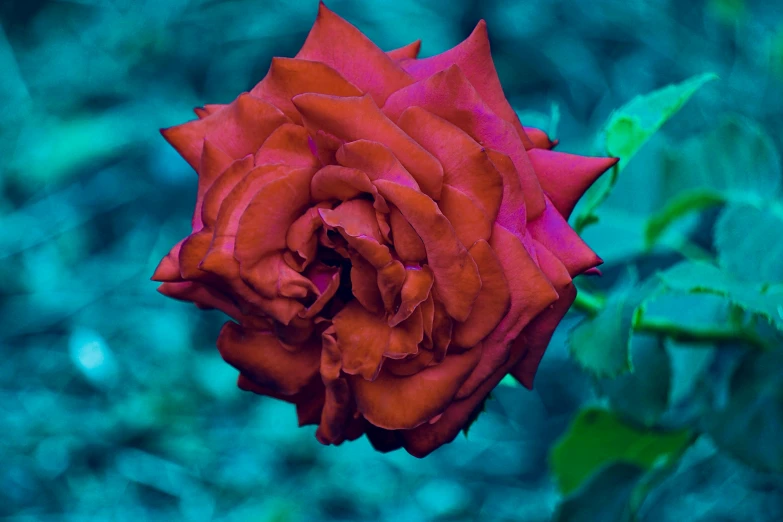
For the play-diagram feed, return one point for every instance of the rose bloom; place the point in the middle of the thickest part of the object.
(387, 237)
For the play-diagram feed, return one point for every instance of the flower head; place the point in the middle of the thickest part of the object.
(387, 237)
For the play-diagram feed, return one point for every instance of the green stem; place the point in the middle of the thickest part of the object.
(589, 303)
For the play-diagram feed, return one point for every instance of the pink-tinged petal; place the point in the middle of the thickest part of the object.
(468, 219)
(553, 231)
(260, 356)
(327, 280)
(442, 329)
(301, 239)
(168, 268)
(415, 289)
(474, 58)
(238, 129)
(287, 145)
(593, 272)
(213, 163)
(192, 252)
(264, 224)
(384, 224)
(343, 183)
(202, 296)
(355, 220)
(407, 243)
(288, 77)
(531, 293)
(492, 303)
(364, 284)
(539, 138)
(566, 177)
(513, 214)
(535, 338)
(352, 119)
(376, 161)
(456, 275)
(449, 95)
(466, 165)
(340, 45)
(221, 187)
(206, 110)
(409, 51)
(402, 403)
(309, 402)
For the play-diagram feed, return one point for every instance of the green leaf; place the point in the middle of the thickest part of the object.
(641, 396)
(736, 162)
(605, 497)
(628, 129)
(712, 487)
(601, 344)
(598, 437)
(694, 277)
(751, 424)
(747, 240)
(679, 206)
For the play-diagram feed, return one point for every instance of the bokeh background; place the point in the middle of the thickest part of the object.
(114, 403)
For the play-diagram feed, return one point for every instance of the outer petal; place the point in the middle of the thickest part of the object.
(535, 338)
(531, 293)
(213, 163)
(343, 47)
(554, 232)
(409, 51)
(566, 177)
(539, 138)
(450, 95)
(492, 303)
(393, 402)
(288, 77)
(238, 129)
(468, 219)
(287, 145)
(353, 119)
(466, 165)
(260, 356)
(474, 57)
(456, 275)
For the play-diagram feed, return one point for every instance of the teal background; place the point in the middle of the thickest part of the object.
(114, 403)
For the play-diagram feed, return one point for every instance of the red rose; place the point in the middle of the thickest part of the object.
(389, 239)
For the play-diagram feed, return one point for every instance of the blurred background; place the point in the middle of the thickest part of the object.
(114, 403)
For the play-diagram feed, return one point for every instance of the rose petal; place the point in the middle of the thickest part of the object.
(566, 177)
(531, 293)
(407, 243)
(539, 138)
(288, 77)
(456, 275)
(391, 278)
(553, 231)
(492, 303)
(355, 220)
(405, 337)
(450, 95)
(466, 165)
(376, 161)
(167, 270)
(402, 403)
(470, 222)
(474, 58)
(213, 163)
(238, 129)
(301, 239)
(364, 284)
(362, 338)
(221, 187)
(272, 210)
(343, 183)
(260, 356)
(340, 45)
(415, 289)
(327, 280)
(287, 145)
(409, 51)
(309, 402)
(410, 366)
(354, 118)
